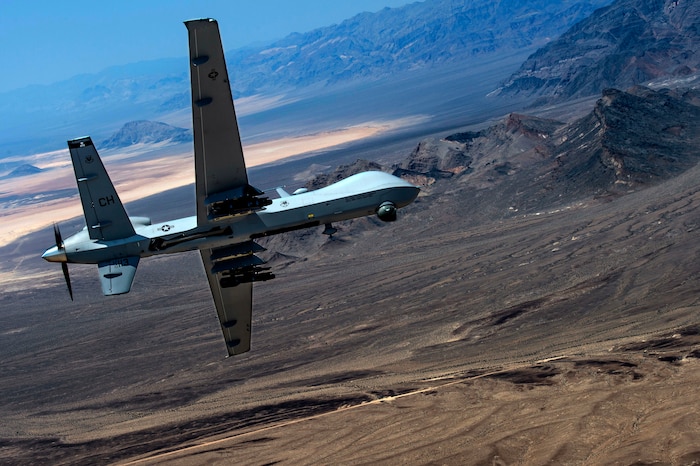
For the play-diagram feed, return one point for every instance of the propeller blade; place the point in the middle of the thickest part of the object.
(57, 236)
(64, 267)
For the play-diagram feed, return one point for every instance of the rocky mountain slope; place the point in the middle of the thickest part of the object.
(146, 132)
(629, 141)
(395, 40)
(629, 42)
(525, 165)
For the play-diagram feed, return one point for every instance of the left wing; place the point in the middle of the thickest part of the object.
(234, 307)
(222, 185)
(231, 271)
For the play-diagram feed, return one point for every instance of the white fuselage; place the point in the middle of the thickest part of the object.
(356, 196)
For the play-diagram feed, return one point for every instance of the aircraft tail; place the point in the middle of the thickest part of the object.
(104, 212)
(117, 275)
(105, 216)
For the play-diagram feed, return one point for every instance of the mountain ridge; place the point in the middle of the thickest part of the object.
(525, 165)
(630, 140)
(146, 132)
(629, 42)
(400, 39)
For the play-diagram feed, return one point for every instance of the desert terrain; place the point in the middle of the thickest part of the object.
(537, 304)
(567, 335)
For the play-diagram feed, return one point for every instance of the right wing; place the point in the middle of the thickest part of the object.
(234, 307)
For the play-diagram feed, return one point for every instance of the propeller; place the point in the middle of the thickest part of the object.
(64, 265)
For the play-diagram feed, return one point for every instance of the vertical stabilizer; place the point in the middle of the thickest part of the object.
(117, 275)
(105, 216)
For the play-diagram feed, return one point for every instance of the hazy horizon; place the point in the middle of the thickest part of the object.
(47, 42)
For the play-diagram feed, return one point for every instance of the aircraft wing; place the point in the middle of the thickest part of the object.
(219, 163)
(234, 307)
(221, 184)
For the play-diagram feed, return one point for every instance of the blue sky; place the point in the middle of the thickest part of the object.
(45, 41)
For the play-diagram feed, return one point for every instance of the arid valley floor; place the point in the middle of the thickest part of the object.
(569, 335)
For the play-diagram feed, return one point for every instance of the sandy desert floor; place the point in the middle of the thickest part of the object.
(567, 336)
(613, 408)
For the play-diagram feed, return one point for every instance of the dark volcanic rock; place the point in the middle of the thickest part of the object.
(146, 132)
(487, 156)
(630, 139)
(436, 159)
(630, 42)
(523, 164)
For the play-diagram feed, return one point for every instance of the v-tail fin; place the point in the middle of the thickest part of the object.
(104, 212)
(117, 275)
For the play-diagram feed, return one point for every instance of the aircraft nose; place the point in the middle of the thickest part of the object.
(406, 195)
(53, 254)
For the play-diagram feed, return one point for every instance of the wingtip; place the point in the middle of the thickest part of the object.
(198, 20)
(80, 142)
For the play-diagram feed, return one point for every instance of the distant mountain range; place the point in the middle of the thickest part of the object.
(396, 40)
(386, 44)
(586, 46)
(629, 42)
(23, 170)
